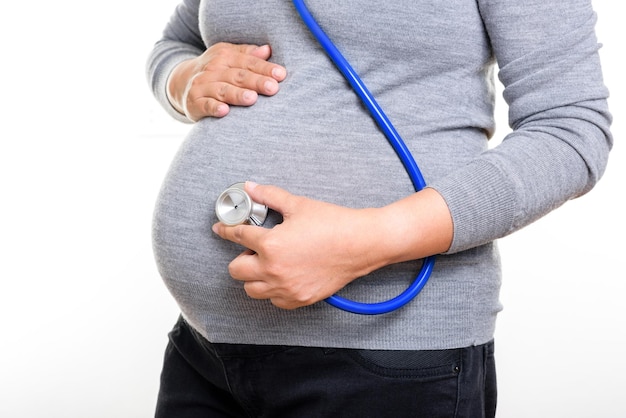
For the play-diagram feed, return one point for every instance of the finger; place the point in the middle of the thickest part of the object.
(261, 290)
(248, 57)
(205, 106)
(248, 236)
(261, 65)
(251, 80)
(245, 267)
(205, 95)
(285, 303)
(257, 289)
(263, 52)
(196, 109)
(231, 88)
(271, 196)
(214, 98)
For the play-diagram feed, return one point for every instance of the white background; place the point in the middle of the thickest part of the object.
(84, 314)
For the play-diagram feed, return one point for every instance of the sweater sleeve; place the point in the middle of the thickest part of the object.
(558, 149)
(181, 40)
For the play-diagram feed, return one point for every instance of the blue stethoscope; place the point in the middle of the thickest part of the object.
(401, 149)
(234, 206)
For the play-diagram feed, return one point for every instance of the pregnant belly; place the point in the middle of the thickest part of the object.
(354, 167)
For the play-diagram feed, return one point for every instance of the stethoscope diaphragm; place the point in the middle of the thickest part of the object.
(234, 207)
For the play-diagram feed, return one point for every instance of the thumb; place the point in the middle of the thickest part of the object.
(273, 197)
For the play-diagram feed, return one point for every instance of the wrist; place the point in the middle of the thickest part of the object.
(415, 227)
(175, 86)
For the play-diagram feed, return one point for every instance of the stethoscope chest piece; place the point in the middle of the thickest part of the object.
(234, 207)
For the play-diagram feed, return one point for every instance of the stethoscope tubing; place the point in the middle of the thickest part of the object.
(401, 150)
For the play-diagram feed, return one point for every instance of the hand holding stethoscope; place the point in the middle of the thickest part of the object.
(304, 259)
(320, 247)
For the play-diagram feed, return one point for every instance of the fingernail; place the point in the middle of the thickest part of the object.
(251, 185)
(270, 86)
(222, 109)
(279, 73)
(249, 96)
(214, 228)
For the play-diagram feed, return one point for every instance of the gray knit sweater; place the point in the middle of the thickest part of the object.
(431, 67)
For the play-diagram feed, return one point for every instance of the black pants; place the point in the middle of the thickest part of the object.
(201, 379)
